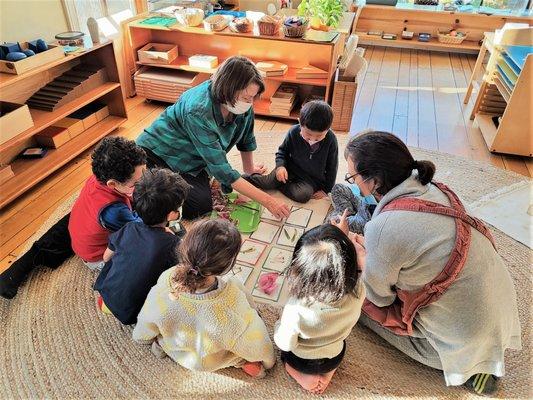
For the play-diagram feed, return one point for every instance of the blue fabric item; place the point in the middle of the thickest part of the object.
(236, 14)
(367, 199)
(116, 215)
(142, 253)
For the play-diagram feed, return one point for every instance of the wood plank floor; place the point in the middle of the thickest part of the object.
(415, 94)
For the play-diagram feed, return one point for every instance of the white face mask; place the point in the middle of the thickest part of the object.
(240, 107)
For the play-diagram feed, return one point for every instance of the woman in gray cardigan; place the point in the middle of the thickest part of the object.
(437, 290)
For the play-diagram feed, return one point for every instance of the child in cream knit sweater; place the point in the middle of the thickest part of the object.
(199, 320)
(325, 304)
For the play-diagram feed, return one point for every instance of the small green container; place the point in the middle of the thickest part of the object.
(248, 214)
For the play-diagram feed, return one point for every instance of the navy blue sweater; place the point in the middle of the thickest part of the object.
(318, 168)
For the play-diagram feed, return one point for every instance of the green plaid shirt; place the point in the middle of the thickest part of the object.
(191, 136)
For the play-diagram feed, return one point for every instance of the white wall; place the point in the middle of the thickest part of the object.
(23, 20)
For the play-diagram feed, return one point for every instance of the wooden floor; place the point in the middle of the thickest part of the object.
(415, 94)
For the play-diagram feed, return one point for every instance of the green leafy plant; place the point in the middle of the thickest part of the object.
(328, 11)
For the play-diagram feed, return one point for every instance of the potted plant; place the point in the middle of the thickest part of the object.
(322, 14)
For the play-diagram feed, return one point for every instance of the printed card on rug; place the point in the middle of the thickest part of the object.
(268, 215)
(265, 232)
(278, 259)
(289, 235)
(268, 285)
(250, 252)
(242, 272)
(299, 216)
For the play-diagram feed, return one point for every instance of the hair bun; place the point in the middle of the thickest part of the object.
(426, 170)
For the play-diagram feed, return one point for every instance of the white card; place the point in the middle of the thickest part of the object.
(278, 259)
(299, 216)
(268, 215)
(250, 252)
(289, 235)
(242, 272)
(265, 232)
(273, 296)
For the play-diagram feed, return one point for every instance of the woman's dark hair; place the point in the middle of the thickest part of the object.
(159, 192)
(210, 247)
(234, 75)
(316, 115)
(116, 158)
(384, 157)
(324, 266)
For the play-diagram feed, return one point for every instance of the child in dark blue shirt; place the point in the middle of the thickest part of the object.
(139, 252)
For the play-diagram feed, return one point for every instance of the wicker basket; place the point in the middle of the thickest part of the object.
(215, 23)
(241, 25)
(269, 28)
(189, 16)
(342, 102)
(446, 38)
(295, 31)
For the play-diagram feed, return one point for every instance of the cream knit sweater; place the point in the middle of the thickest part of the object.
(207, 331)
(318, 330)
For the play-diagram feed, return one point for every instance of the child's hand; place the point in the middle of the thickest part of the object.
(259, 169)
(359, 243)
(342, 222)
(319, 195)
(282, 175)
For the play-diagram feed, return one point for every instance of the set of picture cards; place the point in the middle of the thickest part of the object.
(242, 272)
(251, 252)
(265, 232)
(289, 235)
(272, 290)
(278, 259)
(268, 215)
(299, 216)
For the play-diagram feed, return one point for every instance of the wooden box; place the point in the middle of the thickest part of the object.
(53, 53)
(343, 101)
(14, 119)
(53, 137)
(158, 53)
(74, 126)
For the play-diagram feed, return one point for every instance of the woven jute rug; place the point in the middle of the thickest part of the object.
(55, 344)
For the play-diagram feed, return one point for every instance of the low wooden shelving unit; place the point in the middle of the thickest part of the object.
(18, 88)
(295, 53)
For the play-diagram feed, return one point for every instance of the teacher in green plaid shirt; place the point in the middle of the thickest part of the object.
(194, 135)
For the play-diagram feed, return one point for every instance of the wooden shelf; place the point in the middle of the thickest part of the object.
(262, 107)
(487, 128)
(30, 171)
(43, 119)
(433, 44)
(182, 63)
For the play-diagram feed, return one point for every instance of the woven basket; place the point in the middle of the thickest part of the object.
(342, 102)
(295, 31)
(446, 38)
(268, 28)
(215, 24)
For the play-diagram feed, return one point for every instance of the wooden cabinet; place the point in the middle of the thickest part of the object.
(19, 88)
(296, 53)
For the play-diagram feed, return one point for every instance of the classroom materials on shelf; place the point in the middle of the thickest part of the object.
(283, 100)
(271, 68)
(52, 137)
(165, 84)
(269, 25)
(241, 25)
(158, 53)
(189, 16)
(14, 119)
(295, 26)
(42, 54)
(311, 72)
(424, 37)
(68, 86)
(216, 22)
(407, 35)
(317, 93)
(34, 152)
(203, 61)
(6, 172)
(389, 36)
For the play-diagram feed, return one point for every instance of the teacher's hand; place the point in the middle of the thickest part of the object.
(259, 169)
(277, 207)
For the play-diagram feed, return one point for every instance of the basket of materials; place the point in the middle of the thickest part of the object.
(189, 16)
(241, 25)
(451, 37)
(295, 27)
(215, 23)
(269, 25)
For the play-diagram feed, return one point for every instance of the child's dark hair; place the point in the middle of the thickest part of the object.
(210, 247)
(316, 116)
(324, 266)
(159, 192)
(116, 158)
(384, 157)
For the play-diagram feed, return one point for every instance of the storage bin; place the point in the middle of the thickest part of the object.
(158, 53)
(14, 119)
(53, 137)
(53, 53)
(343, 101)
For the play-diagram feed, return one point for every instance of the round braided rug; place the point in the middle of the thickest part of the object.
(55, 344)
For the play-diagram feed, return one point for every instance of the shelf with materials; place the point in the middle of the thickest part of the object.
(19, 88)
(295, 53)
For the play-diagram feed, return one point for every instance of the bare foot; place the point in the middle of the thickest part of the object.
(308, 382)
(324, 381)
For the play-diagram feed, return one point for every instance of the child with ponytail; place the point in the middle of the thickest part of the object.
(199, 320)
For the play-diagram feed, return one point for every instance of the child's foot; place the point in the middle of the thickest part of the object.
(324, 381)
(254, 369)
(483, 384)
(308, 382)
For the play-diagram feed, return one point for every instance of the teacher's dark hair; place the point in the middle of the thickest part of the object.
(384, 157)
(234, 75)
